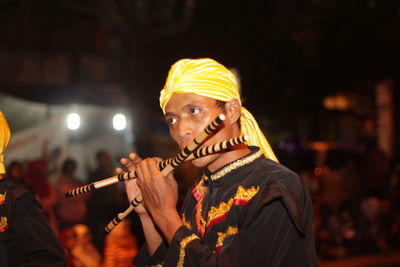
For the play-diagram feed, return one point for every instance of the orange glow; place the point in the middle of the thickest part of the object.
(339, 102)
(318, 171)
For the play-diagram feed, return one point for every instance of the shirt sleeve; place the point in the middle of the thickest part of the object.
(143, 258)
(35, 235)
(269, 240)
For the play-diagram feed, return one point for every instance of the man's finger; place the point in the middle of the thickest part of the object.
(119, 170)
(124, 161)
(135, 158)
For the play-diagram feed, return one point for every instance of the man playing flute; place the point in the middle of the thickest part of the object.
(246, 210)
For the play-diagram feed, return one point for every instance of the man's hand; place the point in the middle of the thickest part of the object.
(132, 190)
(151, 233)
(160, 196)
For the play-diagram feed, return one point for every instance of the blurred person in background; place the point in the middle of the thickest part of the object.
(68, 241)
(26, 238)
(120, 246)
(36, 180)
(15, 170)
(105, 203)
(369, 226)
(376, 169)
(336, 233)
(70, 211)
(80, 251)
(390, 208)
(336, 206)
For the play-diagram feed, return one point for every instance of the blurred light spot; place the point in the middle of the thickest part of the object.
(119, 122)
(73, 121)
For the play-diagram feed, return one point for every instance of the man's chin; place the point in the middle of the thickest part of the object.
(204, 161)
(200, 162)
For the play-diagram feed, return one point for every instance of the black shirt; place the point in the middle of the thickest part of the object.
(250, 212)
(26, 238)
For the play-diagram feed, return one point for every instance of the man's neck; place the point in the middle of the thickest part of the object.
(228, 157)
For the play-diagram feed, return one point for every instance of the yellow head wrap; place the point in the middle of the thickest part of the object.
(4, 138)
(208, 78)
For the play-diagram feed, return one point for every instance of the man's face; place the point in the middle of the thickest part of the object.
(187, 115)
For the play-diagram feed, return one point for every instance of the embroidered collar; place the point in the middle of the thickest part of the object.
(255, 154)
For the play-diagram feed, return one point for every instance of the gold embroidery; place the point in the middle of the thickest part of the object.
(248, 194)
(3, 197)
(183, 245)
(185, 222)
(222, 236)
(200, 188)
(200, 222)
(234, 165)
(3, 224)
(241, 194)
(223, 208)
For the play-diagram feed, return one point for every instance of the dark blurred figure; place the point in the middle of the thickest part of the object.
(391, 215)
(369, 226)
(104, 204)
(335, 207)
(376, 168)
(15, 170)
(72, 210)
(336, 231)
(26, 238)
(36, 180)
(53, 159)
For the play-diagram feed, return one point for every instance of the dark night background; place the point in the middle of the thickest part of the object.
(290, 55)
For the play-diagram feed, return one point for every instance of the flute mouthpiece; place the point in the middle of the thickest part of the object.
(221, 117)
(246, 137)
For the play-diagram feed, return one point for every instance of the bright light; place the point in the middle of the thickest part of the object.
(119, 122)
(73, 121)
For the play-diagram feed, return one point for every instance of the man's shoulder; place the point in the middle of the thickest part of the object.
(14, 189)
(270, 171)
(280, 183)
(8, 183)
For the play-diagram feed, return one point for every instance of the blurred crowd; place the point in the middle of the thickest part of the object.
(79, 221)
(355, 197)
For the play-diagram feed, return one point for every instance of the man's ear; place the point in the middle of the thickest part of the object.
(233, 109)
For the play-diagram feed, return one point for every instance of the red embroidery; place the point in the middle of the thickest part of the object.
(216, 220)
(239, 202)
(196, 194)
(200, 222)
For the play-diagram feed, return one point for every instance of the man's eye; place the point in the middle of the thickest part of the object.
(194, 110)
(171, 121)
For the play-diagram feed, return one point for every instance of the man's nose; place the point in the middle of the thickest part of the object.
(185, 131)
